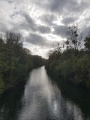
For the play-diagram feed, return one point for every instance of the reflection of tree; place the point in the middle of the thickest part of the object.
(10, 103)
(76, 97)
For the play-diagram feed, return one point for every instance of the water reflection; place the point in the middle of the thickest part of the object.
(10, 103)
(42, 100)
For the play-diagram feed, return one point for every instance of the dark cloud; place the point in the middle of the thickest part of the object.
(29, 24)
(62, 6)
(30, 21)
(34, 27)
(38, 40)
(60, 30)
(44, 29)
(48, 18)
(69, 20)
(86, 32)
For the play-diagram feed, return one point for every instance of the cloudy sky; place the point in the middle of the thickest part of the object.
(42, 23)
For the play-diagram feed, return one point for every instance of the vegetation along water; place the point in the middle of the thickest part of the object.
(70, 60)
(15, 61)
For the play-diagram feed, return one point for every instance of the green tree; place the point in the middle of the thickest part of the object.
(73, 37)
(87, 44)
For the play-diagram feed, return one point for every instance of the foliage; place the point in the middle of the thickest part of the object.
(73, 38)
(15, 61)
(87, 44)
(72, 64)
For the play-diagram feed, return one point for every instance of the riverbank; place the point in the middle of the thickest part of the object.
(15, 61)
(71, 66)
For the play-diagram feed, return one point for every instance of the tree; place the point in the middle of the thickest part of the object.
(87, 44)
(15, 61)
(55, 54)
(74, 39)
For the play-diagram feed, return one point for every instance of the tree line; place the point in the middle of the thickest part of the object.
(15, 61)
(70, 61)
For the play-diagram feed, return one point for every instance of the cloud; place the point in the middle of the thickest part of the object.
(65, 6)
(38, 40)
(41, 22)
(30, 22)
(60, 30)
(69, 20)
(44, 29)
(9, 1)
(48, 18)
(27, 23)
(86, 32)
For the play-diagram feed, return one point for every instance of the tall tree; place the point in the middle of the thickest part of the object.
(87, 44)
(74, 39)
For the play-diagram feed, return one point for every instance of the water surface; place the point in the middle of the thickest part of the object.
(41, 99)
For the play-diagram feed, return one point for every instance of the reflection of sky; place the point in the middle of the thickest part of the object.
(42, 100)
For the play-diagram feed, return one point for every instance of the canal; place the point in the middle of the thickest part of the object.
(41, 99)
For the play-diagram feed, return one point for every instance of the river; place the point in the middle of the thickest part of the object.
(41, 99)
